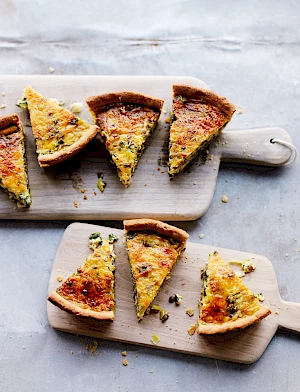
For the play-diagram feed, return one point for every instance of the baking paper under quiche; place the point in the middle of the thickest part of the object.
(153, 249)
(226, 302)
(90, 291)
(198, 116)
(13, 164)
(126, 121)
(58, 133)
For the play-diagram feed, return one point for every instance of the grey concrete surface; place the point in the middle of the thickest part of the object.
(248, 51)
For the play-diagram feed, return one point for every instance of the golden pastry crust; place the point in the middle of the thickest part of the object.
(234, 325)
(226, 302)
(13, 165)
(210, 97)
(69, 151)
(156, 226)
(96, 103)
(63, 304)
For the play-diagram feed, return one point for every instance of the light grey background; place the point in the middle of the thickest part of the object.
(247, 51)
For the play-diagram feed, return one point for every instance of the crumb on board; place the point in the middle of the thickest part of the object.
(154, 339)
(85, 197)
(158, 168)
(260, 297)
(276, 312)
(83, 190)
(151, 371)
(3, 106)
(192, 330)
(168, 120)
(51, 69)
(76, 107)
(136, 355)
(195, 182)
(60, 278)
(201, 235)
(75, 204)
(225, 199)
(124, 353)
(95, 193)
(240, 111)
(125, 362)
(190, 312)
(101, 184)
(145, 184)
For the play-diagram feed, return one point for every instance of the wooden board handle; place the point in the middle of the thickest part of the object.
(254, 146)
(289, 316)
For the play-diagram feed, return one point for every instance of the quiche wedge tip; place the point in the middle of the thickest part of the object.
(126, 120)
(226, 302)
(153, 249)
(58, 133)
(13, 164)
(198, 116)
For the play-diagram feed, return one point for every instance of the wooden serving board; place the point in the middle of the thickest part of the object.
(151, 193)
(244, 346)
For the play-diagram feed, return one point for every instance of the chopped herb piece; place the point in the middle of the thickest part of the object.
(95, 240)
(112, 238)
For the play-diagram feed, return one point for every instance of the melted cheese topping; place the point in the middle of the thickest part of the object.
(92, 286)
(53, 127)
(225, 297)
(125, 128)
(194, 125)
(152, 257)
(13, 174)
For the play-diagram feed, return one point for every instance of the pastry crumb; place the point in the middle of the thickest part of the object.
(76, 107)
(276, 312)
(83, 191)
(136, 355)
(151, 371)
(201, 235)
(240, 111)
(125, 362)
(192, 330)
(75, 204)
(92, 347)
(190, 312)
(95, 193)
(168, 120)
(195, 182)
(85, 197)
(124, 353)
(60, 278)
(51, 69)
(225, 199)
(155, 339)
(3, 106)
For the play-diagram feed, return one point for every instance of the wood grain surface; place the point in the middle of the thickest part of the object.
(245, 346)
(151, 194)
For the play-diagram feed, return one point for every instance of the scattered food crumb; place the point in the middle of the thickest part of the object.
(260, 297)
(201, 235)
(75, 204)
(286, 255)
(168, 120)
(195, 182)
(92, 347)
(190, 312)
(51, 69)
(101, 184)
(95, 193)
(76, 107)
(240, 111)
(85, 197)
(136, 355)
(163, 315)
(60, 278)
(247, 265)
(158, 168)
(155, 339)
(124, 353)
(83, 191)
(141, 333)
(125, 362)
(3, 106)
(151, 371)
(162, 171)
(3, 93)
(192, 330)
(276, 312)
(164, 111)
(225, 199)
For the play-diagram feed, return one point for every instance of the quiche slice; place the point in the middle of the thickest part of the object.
(90, 291)
(153, 249)
(198, 116)
(58, 133)
(13, 164)
(126, 120)
(226, 302)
